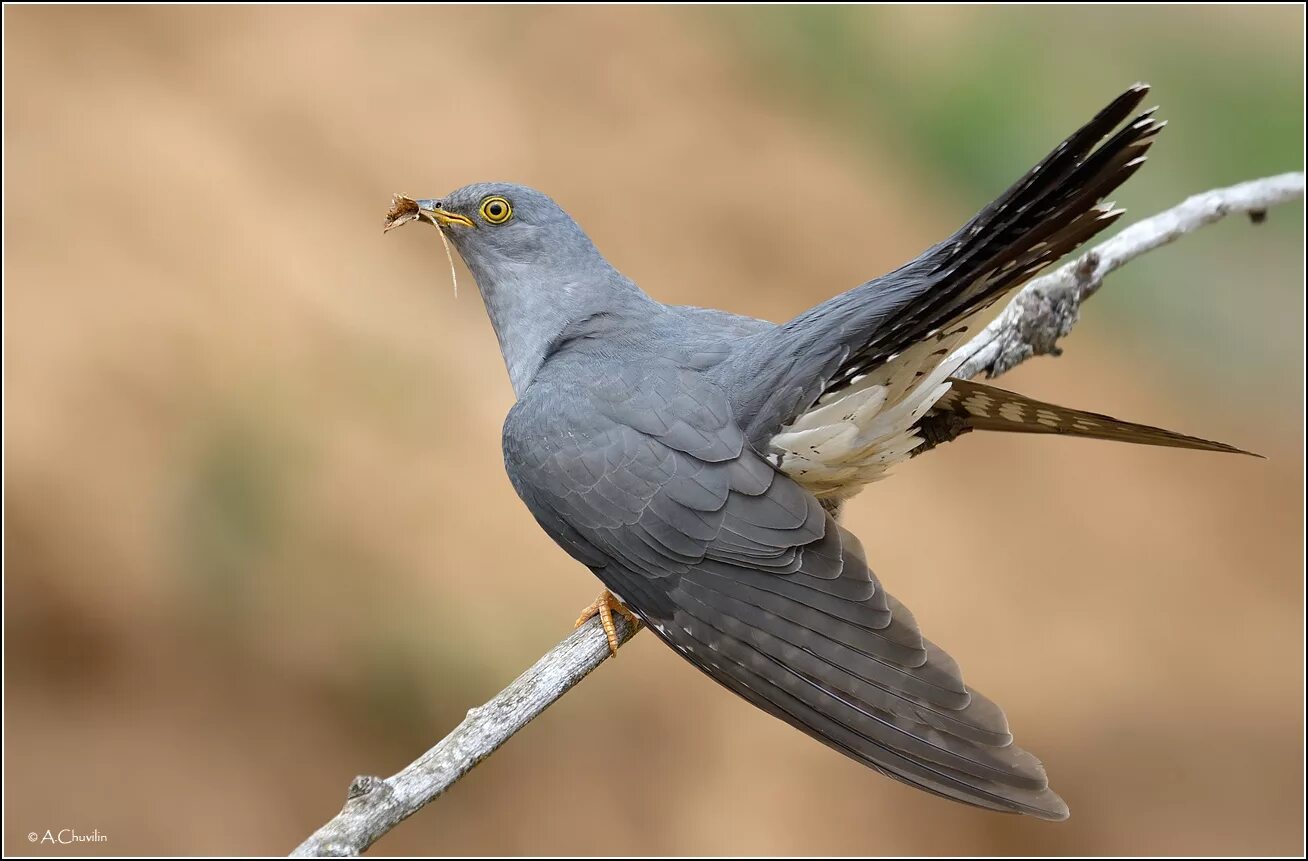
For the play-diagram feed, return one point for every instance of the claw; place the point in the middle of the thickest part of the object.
(604, 606)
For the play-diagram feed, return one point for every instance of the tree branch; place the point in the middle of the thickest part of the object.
(374, 806)
(1041, 313)
(1047, 308)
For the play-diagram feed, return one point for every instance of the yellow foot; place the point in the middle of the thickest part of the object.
(604, 607)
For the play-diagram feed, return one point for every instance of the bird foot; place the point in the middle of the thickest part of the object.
(604, 606)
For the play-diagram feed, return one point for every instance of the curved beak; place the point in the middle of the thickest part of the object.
(431, 210)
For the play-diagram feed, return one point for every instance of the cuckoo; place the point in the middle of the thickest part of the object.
(696, 460)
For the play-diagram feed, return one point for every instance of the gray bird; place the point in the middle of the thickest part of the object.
(695, 460)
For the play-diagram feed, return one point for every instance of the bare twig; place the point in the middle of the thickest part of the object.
(1041, 313)
(375, 806)
(1047, 307)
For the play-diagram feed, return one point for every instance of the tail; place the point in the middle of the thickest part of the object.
(910, 319)
(1048, 213)
(969, 406)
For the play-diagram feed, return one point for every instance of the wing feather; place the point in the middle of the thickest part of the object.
(743, 573)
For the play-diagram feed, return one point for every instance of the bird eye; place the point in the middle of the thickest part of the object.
(496, 210)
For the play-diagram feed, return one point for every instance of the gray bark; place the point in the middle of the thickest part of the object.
(1047, 308)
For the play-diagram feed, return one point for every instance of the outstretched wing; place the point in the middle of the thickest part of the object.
(646, 477)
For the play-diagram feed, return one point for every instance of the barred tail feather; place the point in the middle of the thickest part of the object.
(975, 406)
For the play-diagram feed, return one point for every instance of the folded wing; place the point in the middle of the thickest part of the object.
(647, 478)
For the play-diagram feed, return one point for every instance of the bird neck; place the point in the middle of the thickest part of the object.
(532, 309)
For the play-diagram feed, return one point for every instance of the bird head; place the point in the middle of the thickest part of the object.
(536, 269)
(499, 228)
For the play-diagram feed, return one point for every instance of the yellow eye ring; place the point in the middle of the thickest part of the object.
(496, 210)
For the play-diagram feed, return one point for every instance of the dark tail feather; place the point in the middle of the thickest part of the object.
(975, 406)
(1048, 213)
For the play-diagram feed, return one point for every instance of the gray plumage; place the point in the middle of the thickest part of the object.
(692, 458)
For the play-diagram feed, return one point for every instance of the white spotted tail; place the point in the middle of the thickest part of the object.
(853, 437)
(982, 407)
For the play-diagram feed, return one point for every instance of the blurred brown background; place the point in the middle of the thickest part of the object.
(258, 537)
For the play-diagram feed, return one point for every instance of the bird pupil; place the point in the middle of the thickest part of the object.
(495, 209)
